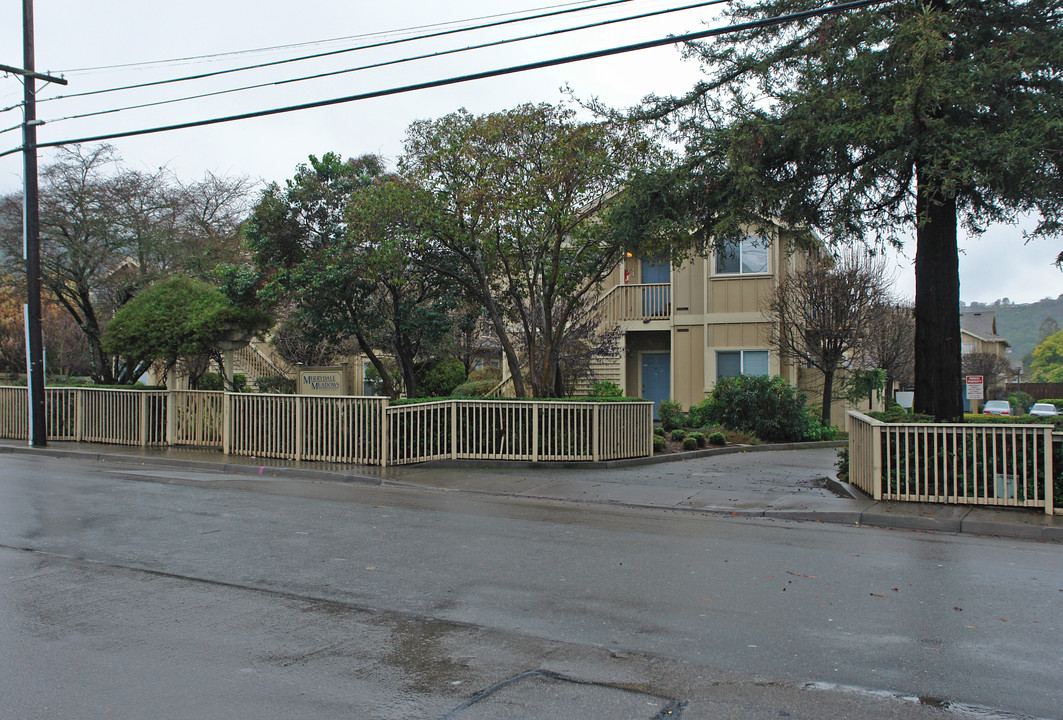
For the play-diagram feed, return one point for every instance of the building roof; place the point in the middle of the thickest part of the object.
(982, 325)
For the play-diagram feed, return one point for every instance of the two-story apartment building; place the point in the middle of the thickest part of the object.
(686, 327)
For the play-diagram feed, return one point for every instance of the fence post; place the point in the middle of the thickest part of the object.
(298, 427)
(144, 418)
(876, 461)
(384, 433)
(226, 422)
(1050, 473)
(535, 433)
(453, 430)
(596, 438)
(79, 414)
(171, 418)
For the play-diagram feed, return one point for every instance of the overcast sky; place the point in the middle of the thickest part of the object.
(72, 37)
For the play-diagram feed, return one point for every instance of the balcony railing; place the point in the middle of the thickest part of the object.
(651, 301)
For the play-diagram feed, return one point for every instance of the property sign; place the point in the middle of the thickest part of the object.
(975, 387)
(322, 381)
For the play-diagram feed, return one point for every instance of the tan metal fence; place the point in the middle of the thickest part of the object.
(362, 430)
(969, 464)
(519, 430)
(638, 301)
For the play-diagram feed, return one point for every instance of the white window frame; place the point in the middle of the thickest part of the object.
(765, 242)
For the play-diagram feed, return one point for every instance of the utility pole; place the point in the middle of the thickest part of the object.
(38, 430)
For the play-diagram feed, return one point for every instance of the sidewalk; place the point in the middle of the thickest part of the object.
(764, 481)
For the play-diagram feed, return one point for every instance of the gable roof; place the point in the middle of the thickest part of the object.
(982, 325)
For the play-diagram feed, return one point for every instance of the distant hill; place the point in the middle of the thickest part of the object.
(1020, 324)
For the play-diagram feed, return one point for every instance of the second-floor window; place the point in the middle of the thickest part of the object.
(743, 257)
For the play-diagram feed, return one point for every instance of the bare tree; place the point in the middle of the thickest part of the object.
(989, 365)
(108, 230)
(822, 313)
(890, 344)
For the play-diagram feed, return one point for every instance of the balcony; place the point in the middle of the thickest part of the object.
(638, 302)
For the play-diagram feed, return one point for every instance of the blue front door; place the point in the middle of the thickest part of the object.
(656, 378)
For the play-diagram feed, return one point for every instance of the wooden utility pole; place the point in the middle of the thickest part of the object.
(31, 231)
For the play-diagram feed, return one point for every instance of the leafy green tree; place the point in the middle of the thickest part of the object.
(876, 122)
(175, 319)
(1047, 365)
(521, 220)
(335, 241)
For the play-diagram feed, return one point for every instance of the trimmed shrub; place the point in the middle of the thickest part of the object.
(658, 430)
(690, 443)
(679, 435)
(658, 443)
(717, 438)
(474, 388)
(606, 388)
(768, 407)
(672, 415)
(698, 438)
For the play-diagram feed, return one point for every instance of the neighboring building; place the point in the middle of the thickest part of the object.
(978, 334)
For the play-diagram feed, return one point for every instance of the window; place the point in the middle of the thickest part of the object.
(742, 257)
(967, 348)
(732, 363)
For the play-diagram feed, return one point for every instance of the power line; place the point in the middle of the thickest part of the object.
(330, 53)
(386, 63)
(689, 37)
(310, 43)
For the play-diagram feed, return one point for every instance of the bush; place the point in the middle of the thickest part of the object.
(672, 415)
(717, 438)
(679, 435)
(690, 443)
(766, 406)
(658, 430)
(698, 438)
(658, 443)
(701, 414)
(816, 430)
(441, 378)
(1022, 401)
(276, 384)
(474, 388)
(605, 388)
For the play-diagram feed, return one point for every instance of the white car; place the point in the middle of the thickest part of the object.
(1046, 409)
(997, 407)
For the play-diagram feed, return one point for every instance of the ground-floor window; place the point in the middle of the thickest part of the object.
(730, 363)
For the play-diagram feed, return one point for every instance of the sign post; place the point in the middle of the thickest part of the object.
(975, 390)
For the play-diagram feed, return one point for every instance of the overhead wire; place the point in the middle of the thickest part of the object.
(386, 63)
(310, 43)
(646, 45)
(330, 53)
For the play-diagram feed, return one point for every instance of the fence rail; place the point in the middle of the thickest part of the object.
(364, 430)
(967, 464)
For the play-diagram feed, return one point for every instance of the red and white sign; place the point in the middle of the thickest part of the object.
(975, 387)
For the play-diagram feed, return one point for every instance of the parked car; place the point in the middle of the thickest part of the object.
(997, 407)
(1045, 409)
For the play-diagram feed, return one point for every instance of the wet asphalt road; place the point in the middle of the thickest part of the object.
(140, 592)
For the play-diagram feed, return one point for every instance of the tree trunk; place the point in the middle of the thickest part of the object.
(828, 396)
(937, 308)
